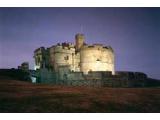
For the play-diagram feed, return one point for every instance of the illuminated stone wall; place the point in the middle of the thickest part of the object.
(39, 55)
(96, 58)
(77, 62)
(79, 39)
(61, 56)
(79, 57)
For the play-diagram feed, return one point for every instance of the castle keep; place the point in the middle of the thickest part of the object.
(82, 64)
(77, 58)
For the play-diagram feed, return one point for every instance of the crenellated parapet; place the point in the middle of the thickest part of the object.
(79, 57)
(97, 47)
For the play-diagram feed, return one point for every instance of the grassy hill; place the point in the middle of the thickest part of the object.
(20, 96)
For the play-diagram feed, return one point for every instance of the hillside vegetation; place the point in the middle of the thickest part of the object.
(20, 96)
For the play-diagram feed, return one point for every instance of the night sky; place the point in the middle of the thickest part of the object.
(134, 34)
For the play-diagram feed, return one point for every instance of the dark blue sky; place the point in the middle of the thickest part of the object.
(134, 34)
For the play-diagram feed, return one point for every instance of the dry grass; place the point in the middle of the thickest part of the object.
(18, 96)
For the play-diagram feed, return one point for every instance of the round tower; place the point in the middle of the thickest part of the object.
(96, 58)
(62, 56)
(79, 38)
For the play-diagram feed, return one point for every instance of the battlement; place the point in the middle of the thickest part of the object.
(65, 44)
(80, 56)
(97, 47)
(61, 48)
(39, 49)
(109, 47)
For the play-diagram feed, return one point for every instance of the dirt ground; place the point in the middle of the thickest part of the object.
(18, 96)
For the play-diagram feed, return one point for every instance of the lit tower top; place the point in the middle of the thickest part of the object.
(79, 38)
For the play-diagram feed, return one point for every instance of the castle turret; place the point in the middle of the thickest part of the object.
(79, 38)
(96, 58)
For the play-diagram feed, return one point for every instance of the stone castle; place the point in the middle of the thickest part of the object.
(78, 58)
(82, 64)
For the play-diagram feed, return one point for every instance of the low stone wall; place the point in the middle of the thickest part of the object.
(46, 76)
(91, 83)
(94, 79)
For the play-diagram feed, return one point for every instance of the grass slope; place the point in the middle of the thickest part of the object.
(19, 96)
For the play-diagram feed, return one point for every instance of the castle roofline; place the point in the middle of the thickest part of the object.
(39, 49)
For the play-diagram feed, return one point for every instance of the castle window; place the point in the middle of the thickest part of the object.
(66, 58)
(91, 46)
(98, 59)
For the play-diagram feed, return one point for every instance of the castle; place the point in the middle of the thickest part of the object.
(78, 58)
(82, 64)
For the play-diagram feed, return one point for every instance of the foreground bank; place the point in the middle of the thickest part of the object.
(20, 96)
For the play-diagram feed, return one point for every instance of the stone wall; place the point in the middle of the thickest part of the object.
(79, 39)
(96, 58)
(100, 78)
(41, 56)
(89, 83)
(80, 57)
(46, 76)
(62, 55)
